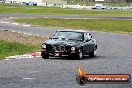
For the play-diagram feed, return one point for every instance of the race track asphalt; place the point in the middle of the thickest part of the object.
(114, 55)
(3, 15)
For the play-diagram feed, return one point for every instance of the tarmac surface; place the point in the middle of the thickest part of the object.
(114, 56)
(3, 15)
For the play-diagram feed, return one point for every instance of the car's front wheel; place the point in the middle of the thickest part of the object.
(44, 55)
(79, 54)
(92, 54)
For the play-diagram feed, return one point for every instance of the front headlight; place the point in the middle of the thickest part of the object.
(73, 48)
(43, 46)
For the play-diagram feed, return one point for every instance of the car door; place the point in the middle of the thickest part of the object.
(88, 43)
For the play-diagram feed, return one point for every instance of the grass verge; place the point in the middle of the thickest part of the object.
(13, 43)
(12, 8)
(117, 26)
(14, 48)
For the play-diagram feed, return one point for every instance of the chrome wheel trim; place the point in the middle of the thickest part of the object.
(80, 53)
(94, 52)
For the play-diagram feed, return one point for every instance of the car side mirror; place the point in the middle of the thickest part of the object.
(90, 35)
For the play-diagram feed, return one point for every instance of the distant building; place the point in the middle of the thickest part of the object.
(55, 1)
(100, 0)
(114, 1)
(43, 1)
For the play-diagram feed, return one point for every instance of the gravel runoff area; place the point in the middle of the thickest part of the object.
(114, 55)
(21, 38)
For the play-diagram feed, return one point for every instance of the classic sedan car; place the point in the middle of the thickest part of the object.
(72, 43)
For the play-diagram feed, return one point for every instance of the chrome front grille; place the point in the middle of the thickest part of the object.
(59, 48)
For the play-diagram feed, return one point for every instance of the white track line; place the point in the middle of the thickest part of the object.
(17, 57)
(12, 31)
(7, 59)
(19, 32)
(6, 22)
(26, 25)
(29, 78)
(1, 22)
(30, 34)
(15, 23)
(45, 17)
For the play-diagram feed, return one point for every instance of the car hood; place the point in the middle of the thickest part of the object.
(62, 42)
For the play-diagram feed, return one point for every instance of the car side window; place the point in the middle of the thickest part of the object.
(88, 36)
(85, 36)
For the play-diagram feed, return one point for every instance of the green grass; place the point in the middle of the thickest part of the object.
(13, 48)
(118, 26)
(11, 8)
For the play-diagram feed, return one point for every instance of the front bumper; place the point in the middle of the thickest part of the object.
(58, 53)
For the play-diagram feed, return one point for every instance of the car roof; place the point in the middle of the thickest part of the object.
(69, 30)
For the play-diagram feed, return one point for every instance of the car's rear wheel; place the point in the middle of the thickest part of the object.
(44, 55)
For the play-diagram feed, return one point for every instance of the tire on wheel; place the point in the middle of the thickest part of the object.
(79, 54)
(44, 55)
(92, 54)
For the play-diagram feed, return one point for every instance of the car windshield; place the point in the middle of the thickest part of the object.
(69, 35)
